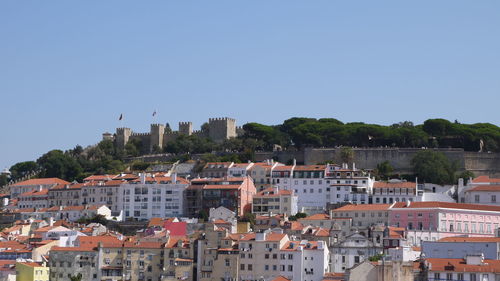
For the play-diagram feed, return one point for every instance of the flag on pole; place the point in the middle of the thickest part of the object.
(154, 113)
(121, 116)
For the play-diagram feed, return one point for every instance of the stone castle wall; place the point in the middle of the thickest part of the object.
(218, 130)
(400, 158)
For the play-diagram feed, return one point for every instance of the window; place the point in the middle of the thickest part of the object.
(250, 267)
(290, 256)
(460, 276)
(436, 276)
(266, 267)
(493, 198)
(473, 277)
(449, 276)
(266, 256)
(290, 267)
(275, 267)
(476, 198)
(242, 266)
(228, 262)
(356, 259)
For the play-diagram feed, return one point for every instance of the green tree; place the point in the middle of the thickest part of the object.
(22, 169)
(433, 167)
(3, 180)
(346, 154)
(384, 170)
(56, 163)
(77, 277)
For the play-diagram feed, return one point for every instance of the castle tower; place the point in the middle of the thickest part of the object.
(122, 137)
(185, 128)
(156, 136)
(220, 129)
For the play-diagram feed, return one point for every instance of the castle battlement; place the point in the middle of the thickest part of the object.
(217, 129)
(140, 134)
(218, 119)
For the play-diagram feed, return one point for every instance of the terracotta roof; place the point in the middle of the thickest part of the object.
(222, 186)
(317, 217)
(155, 222)
(35, 193)
(99, 177)
(42, 181)
(485, 179)
(384, 184)
(282, 168)
(485, 188)
(447, 205)
(363, 207)
(68, 186)
(310, 168)
(219, 221)
(459, 265)
(125, 177)
(167, 180)
(31, 264)
(93, 241)
(73, 249)
(281, 278)
(469, 239)
(270, 192)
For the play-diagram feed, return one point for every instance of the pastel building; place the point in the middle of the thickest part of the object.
(34, 184)
(431, 221)
(32, 271)
(388, 192)
(273, 200)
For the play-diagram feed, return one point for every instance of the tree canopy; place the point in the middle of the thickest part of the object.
(433, 167)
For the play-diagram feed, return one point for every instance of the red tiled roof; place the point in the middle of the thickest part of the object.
(485, 188)
(310, 168)
(470, 239)
(35, 193)
(176, 228)
(447, 205)
(384, 184)
(485, 179)
(270, 192)
(317, 217)
(459, 265)
(73, 249)
(363, 207)
(42, 181)
(222, 186)
(281, 278)
(283, 168)
(155, 222)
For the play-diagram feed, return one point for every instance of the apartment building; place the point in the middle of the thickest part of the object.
(239, 170)
(149, 197)
(67, 262)
(431, 221)
(318, 185)
(469, 268)
(480, 190)
(261, 174)
(38, 198)
(388, 192)
(364, 215)
(105, 192)
(273, 200)
(235, 194)
(65, 195)
(352, 250)
(216, 169)
(34, 184)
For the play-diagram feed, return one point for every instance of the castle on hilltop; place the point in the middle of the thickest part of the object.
(217, 129)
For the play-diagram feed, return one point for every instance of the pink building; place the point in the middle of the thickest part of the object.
(431, 221)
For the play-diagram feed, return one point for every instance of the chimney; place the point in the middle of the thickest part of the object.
(174, 178)
(51, 221)
(294, 162)
(276, 190)
(143, 178)
(353, 166)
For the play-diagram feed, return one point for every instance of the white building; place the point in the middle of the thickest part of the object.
(239, 170)
(318, 185)
(469, 268)
(304, 260)
(481, 190)
(273, 200)
(353, 250)
(149, 197)
(388, 192)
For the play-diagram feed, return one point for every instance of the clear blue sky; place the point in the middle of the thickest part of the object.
(69, 68)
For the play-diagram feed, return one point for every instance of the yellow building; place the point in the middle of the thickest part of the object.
(32, 271)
